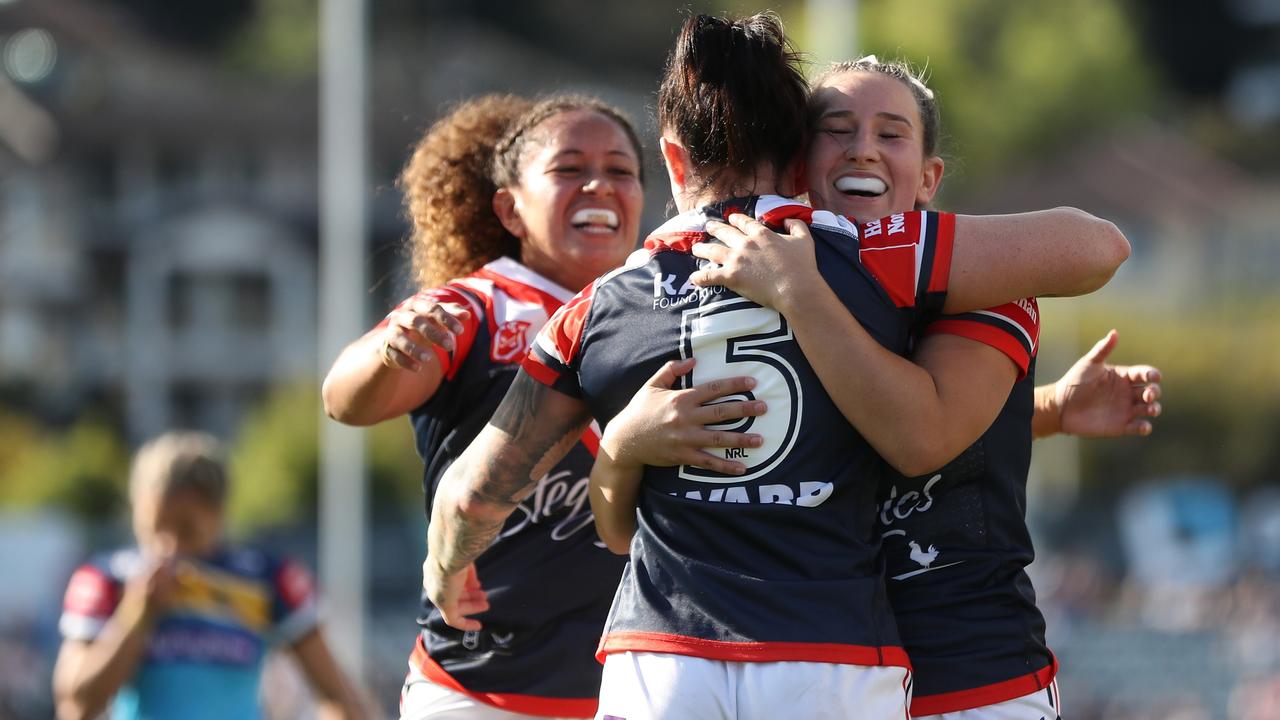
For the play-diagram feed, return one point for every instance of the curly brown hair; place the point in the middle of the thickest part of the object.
(448, 191)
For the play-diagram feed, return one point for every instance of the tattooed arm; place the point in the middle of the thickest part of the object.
(531, 431)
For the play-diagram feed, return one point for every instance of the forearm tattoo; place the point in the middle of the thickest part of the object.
(538, 434)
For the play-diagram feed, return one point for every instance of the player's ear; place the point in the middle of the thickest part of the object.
(504, 206)
(930, 180)
(676, 160)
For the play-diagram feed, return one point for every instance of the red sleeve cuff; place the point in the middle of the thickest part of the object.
(539, 371)
(987, 335)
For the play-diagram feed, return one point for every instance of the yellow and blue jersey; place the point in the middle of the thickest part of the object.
(204, 655)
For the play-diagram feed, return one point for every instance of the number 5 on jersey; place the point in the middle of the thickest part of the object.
(731, 338)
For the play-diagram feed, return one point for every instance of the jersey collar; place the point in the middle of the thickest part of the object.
(511, 275)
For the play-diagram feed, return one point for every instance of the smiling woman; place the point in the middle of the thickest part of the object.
(515, 206)
(569, 188)
(872, 122)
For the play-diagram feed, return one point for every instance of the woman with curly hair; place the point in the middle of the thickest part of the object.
(515, 206)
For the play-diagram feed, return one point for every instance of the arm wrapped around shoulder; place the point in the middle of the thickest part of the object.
(998, 259)
(1103, 249)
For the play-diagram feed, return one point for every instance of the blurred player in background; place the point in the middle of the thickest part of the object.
(515, 207)
(178, 627)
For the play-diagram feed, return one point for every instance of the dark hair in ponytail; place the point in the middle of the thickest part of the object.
(734, 94)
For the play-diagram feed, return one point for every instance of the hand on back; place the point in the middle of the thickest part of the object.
(757, 263)
(663, 427)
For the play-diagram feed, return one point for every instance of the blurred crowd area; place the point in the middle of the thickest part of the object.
(1186, 625)
(1162, 606)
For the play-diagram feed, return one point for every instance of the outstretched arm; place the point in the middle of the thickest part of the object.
(1094, 399)
(531, 430)
(664, 427)
(1002, 258)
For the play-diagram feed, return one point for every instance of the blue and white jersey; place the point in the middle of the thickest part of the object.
(204, 655)
(781, 563)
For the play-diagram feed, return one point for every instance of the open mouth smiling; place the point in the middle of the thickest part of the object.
(866, 187)
(595, 220)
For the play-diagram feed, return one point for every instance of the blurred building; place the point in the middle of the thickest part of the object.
(157, 244)
(1201, 227)
(158, 211)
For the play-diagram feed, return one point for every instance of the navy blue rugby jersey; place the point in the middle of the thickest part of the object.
(550, 580)
(783, 562)
(229, 608)
(956, 545)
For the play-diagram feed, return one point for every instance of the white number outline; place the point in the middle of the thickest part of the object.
(735, 348)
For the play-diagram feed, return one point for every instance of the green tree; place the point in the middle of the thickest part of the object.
(281, 40)
(275, 463)
(82, 469)
(1221, 395)
(1015, 79)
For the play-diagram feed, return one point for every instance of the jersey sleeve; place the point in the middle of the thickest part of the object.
(1012, 328)
(553, 359)
(909, 254)
(293, 603)
(448, 295)
(91, 598)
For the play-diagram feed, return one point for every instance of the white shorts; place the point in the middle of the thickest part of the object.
(1043, 704)
(657, 686)
(421, 699)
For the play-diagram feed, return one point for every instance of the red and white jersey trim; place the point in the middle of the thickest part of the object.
(505, 269)
(992, 694)
(1017, 327)
(515, 301)
(1012, 328)
(616, 642)
(898, 249)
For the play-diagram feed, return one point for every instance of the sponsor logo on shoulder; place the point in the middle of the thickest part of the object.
(670, 290)
(1028, 307)
(897, 224)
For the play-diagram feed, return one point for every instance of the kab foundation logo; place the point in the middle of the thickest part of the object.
(672, 290)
